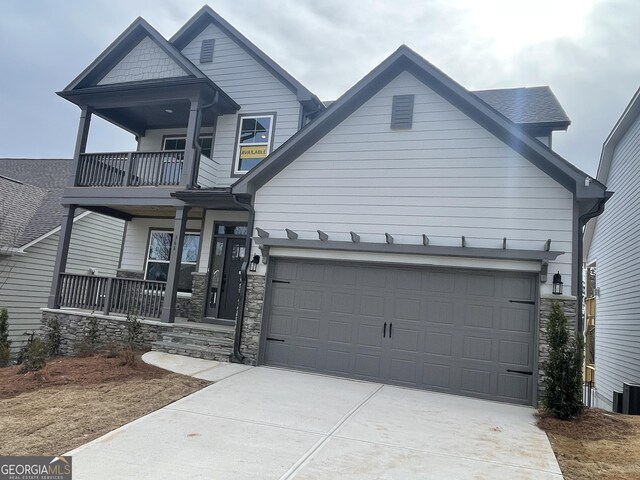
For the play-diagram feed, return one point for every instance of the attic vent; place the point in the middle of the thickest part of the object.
(402, 112)
(206, 51)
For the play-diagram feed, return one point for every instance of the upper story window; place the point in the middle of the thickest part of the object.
(179, 142)
(254, 141)
(159, 253)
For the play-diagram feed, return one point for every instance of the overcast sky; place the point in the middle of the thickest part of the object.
(586, 50)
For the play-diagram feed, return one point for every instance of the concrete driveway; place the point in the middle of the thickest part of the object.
(265, 423)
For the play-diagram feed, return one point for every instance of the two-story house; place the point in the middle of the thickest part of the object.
(406, 234)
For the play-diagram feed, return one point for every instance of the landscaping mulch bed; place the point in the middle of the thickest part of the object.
(73, 400)
(599, 444)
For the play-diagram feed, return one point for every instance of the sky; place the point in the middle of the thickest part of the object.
(585, 50)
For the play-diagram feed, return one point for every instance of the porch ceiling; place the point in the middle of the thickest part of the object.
(165, 103)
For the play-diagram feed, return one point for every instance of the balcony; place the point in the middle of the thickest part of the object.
(130, 169)
(111, 295)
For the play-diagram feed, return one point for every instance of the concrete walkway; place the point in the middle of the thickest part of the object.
(265, 423)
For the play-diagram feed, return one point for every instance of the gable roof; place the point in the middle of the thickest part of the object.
(405, 59)
(621, 127)
(526, 106)
(207, 15)
(121, 46)
(38, 185)
(18, 204)
(535, 106)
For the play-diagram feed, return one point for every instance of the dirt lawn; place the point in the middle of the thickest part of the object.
(74, 400)
(600, 445)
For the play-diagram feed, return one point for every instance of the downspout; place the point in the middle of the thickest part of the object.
(582, 221)
(237, 355)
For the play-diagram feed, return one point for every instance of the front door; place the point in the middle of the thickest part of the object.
(227, 256)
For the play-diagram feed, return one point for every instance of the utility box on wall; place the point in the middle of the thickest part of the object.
(631, 398)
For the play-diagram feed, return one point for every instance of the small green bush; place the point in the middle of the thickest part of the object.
(5, 344)
(563, 369)
(36, 355)
(53, 336)
(134, 330)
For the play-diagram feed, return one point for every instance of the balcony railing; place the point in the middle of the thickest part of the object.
(130, 169)
(112, 295)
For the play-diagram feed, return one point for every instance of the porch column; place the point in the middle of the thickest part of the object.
(188, 175)
(175, 259)
(81, 141)
(61, 257)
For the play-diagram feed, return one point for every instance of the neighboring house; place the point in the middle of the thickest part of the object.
(30, 217)
(612, 258)
(406, 234)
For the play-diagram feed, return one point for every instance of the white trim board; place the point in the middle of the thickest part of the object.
(408, 259)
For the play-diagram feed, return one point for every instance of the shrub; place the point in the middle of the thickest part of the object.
(35, 356)
(128, 356)
(563, 369)
(53, 336)
(5, 344)
(87, 345)
(113, 349)
(134, 330)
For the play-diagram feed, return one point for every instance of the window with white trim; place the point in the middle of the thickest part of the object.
(179, 142)
(254, 141)
(159, 253)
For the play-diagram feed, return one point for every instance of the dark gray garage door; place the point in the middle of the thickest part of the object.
(454, 331)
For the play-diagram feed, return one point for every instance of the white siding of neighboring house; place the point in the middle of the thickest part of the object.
(136, 242)
(145, 61)
(616, 250)
(446, 177)
(252, 86)
(95, 243)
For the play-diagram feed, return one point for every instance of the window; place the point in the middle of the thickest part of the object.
(254, 141)
(180, 143)
(160, 252)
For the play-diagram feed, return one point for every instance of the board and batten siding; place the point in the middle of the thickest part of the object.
(445, 177)
(616, 251)
(252, 86)
(95, 243)
(136, 240)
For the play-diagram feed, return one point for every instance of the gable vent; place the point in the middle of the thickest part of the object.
(402, 112)
(206, 50)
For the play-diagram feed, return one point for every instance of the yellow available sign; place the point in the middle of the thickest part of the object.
(253, 151)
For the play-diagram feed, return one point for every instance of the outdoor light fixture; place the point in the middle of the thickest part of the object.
(557, 284)
(254, 263)
(168, 110)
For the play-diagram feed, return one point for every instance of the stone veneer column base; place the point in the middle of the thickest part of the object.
(198, 296)
(569, 306)
(250, 338)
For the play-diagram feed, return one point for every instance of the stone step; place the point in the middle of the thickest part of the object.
(216, 330)
(201, 340)
(193, 351)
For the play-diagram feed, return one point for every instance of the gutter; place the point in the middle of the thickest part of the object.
(582, 221)
(237, 355)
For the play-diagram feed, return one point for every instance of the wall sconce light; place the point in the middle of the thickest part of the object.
(253, 266)
(557, 284)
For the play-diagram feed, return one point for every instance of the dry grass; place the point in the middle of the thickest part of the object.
(74, 400)
(598, 445)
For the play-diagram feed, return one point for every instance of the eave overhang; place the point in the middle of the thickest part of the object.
(162, 103)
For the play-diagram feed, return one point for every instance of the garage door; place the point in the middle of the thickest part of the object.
(464, 332)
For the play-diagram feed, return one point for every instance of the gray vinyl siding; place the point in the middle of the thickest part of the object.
(616, 251)
(252, 86)
(445, 177)
(95, 243)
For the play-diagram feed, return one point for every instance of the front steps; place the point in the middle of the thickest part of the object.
(209, 342)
